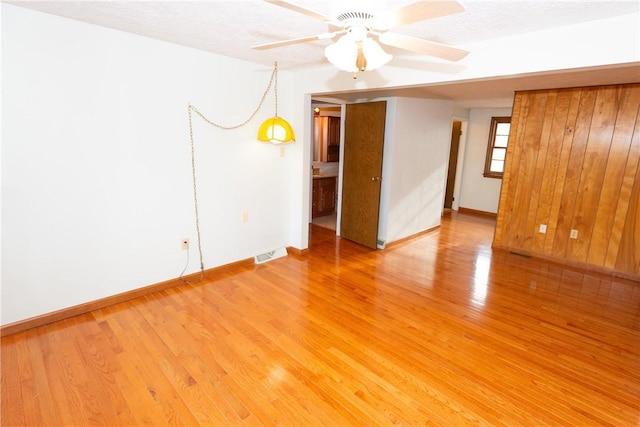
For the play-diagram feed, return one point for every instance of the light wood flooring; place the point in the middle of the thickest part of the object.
(439, 330)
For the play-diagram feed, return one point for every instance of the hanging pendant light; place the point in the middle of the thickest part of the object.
(276, 130)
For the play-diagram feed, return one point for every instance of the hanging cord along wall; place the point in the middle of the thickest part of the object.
(192, 109)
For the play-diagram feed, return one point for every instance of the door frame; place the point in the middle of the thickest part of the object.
(327, 103)
(310, 102)
(343, 110)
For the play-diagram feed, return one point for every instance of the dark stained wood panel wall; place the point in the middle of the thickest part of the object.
(573, 162)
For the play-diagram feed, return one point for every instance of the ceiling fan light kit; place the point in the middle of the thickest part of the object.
(355, 52)
(374, 55)
(357, 49)
(343, 54)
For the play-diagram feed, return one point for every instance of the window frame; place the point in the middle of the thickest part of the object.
(488, 173)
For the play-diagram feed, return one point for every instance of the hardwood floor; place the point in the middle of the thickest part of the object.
(440, 330)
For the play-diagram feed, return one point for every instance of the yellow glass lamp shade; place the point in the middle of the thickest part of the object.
(276, 130)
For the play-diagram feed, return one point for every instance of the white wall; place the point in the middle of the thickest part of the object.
(415, 165)
(96, 167)
(478, 192)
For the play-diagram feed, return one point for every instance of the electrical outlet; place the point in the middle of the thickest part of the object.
(543, 228)
(573, 234)
(185, 244)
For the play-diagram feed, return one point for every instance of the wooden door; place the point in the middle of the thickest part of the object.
(362, 172)
(456, 131)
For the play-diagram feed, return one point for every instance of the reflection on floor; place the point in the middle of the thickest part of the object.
(328, 221)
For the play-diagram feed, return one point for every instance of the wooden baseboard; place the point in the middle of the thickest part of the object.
(413, 236)
(296, 251)
(477, 212)
(65, 313)
(574, 265)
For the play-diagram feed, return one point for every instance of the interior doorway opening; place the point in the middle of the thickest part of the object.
(456, 160)
(325, 164)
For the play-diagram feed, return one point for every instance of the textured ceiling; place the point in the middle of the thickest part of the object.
(230, 28)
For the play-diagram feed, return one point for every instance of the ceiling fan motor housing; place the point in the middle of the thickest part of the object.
(356, 23)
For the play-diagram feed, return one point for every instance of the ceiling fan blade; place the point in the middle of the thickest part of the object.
(414, 12)
(299, 9)
(295, 41)
(426, 47)
(335, 28)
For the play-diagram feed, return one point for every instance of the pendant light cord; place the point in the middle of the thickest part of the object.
(275, 87)
(195, 196)
(192, 109)
(274, 78)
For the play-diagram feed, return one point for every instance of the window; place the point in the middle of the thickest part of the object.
(497, 147)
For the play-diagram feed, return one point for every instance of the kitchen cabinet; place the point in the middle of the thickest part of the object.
(326, 134)
(324, 196)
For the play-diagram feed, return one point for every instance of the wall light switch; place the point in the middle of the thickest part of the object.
(245, 216)
(543, 228)
(573, 234)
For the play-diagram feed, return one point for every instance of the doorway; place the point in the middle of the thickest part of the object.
(345, 196)
(456, 160)
(456, 133)
(325, 163)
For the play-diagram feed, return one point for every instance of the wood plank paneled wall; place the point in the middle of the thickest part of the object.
(573, 163)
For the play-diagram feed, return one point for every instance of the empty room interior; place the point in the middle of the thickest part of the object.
(320, 213)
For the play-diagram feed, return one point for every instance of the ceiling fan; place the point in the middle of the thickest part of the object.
(357, 49)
